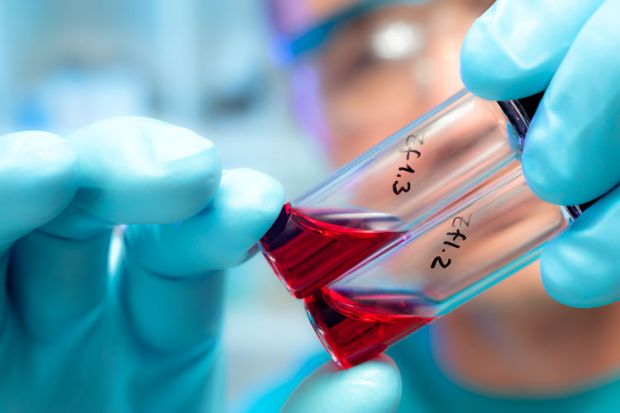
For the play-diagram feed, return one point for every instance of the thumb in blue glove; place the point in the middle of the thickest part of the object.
(370, 387)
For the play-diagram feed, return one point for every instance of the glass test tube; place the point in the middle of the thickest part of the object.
(418, 225)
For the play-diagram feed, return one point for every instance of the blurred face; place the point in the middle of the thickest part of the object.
(379, 72)
(371, 77)
(382, 70)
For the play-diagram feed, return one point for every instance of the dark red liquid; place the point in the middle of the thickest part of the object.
(355, 326)
(308, 249)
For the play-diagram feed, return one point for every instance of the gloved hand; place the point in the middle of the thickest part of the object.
(74, 339)
(572, 150)
(370, 387)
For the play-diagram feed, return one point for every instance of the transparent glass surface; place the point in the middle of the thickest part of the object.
(423, 167)
(489, 235)
(403, 183)
(412, 229)
(491, 232)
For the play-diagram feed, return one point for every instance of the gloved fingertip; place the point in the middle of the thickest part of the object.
(571, 275)
(140, 170)
(498, 60)
(251, 190)
(553, 169)
(245, 206)
(371, 387)
(475, 63)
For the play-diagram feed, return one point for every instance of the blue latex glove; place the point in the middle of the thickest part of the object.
(370, 387)
(572, 151)
(75, 339)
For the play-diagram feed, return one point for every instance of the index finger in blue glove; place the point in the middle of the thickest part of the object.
(515, 47)
(370, 387)
(137, 170)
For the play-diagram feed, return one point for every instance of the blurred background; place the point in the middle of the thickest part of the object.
(198, 63)
(259, 78)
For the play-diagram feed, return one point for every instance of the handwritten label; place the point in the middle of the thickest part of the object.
(404, 175)
(455, 239)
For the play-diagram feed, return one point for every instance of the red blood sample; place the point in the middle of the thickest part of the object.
(310, 248)
(355, 326)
